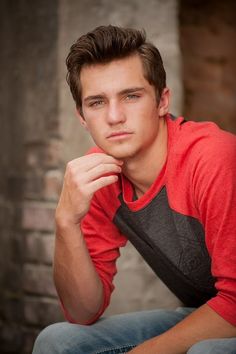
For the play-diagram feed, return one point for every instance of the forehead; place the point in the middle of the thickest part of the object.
(113, 76)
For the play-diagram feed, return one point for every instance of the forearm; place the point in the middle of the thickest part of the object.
(204, 323)
(77, 282)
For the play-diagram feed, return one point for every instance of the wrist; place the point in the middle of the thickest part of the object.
(65, 224)
(66, 219)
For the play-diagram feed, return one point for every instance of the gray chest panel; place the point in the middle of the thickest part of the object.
(173, 245)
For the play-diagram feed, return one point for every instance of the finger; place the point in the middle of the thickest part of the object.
(97, 159)
(89, 161)
(101, 170)
(102, 182)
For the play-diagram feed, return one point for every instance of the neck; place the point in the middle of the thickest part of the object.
(143, 169)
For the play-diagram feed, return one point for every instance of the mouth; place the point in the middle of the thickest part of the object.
(119, 135)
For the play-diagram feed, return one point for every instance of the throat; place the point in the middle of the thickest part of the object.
(138, 193)
(144, 177)
(143, 170)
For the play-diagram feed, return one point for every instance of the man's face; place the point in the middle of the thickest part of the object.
(120, 109)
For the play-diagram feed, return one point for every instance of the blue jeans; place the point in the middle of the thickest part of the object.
(121, 333)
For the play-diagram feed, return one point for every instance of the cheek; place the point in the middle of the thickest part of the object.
(150, 124)
(94, 120)
(92, 123)
(95, 130)
(148, 118)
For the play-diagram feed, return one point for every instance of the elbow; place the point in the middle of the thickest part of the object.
(85, 319)
(83, 315)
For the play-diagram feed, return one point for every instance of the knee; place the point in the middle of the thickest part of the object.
(200, 347)
(214, 346)
(50, 340)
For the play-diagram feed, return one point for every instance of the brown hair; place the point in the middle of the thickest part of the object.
(106, 43)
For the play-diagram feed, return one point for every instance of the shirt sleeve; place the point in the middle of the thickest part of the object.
(215, 193)
(103, 240)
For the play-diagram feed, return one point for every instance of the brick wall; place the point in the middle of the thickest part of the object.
(39, 134)
(31, 170)
(208, 34)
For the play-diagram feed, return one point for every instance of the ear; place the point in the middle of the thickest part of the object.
(81, 119)
(164, 102)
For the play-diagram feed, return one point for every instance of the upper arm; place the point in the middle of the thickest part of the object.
(215, 195)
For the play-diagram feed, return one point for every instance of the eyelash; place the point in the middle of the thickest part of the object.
(132, 96)
(98, 103)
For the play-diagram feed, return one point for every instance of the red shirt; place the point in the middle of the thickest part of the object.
(184, 225)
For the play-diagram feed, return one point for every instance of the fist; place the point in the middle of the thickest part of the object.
(83, 177)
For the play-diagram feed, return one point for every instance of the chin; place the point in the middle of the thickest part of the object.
(120, 151)
(121, 155)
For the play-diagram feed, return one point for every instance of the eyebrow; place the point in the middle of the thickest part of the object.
(120, 93)
(93, 97)
(131, 90)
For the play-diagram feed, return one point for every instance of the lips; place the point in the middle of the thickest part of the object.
(119, 134)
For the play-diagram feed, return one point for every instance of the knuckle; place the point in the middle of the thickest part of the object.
(69, 168)
(103, 168)
(104, 157)
(69, 175)
(84, 194)
(74, 179)
(70, 164)
(100, 158)
(80, 188)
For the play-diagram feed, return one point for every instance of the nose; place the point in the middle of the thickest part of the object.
(115, 113)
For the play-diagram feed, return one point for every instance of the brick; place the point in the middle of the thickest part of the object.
(12, 307)
(37, 279)
(207, 42)
(29, 337)
(34, 154)
(39, 247)
(31, 244)
(13, 278)
(11, 338)
(202, 73)
(52, 184)
(17, 248)
(53, 153)
(15, 186)
(41, 311)
(6, 214)
(47, 248)
(203, 43)
(38, 216)
(33, 188)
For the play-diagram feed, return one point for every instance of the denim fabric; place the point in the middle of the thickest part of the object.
(119, 334)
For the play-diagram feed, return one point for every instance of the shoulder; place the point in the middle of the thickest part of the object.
(201, 157)
(205, 156)
(205, 141)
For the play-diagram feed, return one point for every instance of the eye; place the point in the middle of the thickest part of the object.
(132, 96)
(96, 103)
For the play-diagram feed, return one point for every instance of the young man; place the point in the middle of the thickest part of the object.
(167, 185)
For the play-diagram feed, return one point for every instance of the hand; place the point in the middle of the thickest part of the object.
(83, 177)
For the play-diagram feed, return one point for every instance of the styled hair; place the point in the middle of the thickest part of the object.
(107, 43)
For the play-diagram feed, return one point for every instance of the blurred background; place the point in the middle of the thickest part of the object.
(39, 133)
